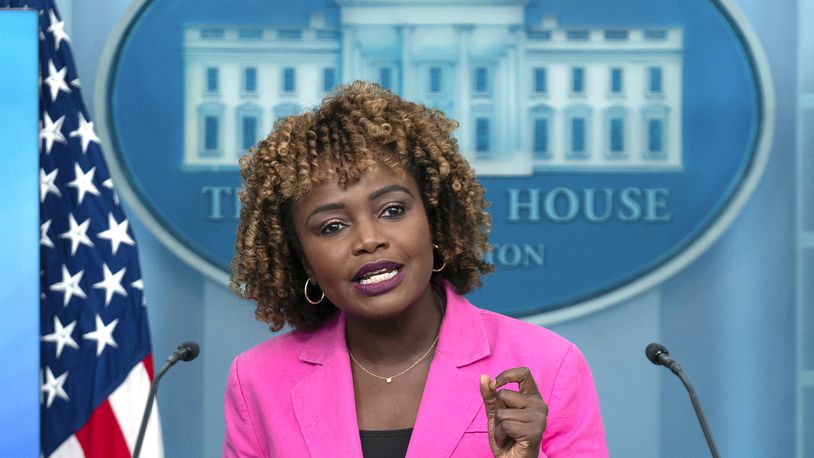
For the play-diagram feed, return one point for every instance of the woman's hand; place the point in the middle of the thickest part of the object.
(516, 420)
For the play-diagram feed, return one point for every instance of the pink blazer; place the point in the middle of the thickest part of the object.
(292, 396)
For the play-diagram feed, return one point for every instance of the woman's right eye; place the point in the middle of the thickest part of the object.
(331, 227)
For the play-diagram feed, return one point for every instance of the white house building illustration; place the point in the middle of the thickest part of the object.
(540, 98)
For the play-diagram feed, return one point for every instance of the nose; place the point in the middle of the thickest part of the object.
(369, 238)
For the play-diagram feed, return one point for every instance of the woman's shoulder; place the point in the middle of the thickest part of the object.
(277, 358)
(515, 330)
(277, 349)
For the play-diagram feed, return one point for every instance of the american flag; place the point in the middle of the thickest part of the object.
(95, 343)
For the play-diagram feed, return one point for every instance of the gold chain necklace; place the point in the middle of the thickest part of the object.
(390, 379)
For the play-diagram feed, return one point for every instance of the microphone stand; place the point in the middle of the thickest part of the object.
(187, 351)
(698, 412)
(149, 407)
(659, 356)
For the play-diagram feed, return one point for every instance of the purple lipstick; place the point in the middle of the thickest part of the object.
(378, 277)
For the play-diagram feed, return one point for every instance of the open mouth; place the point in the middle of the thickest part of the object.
(374, 277)
(377, 272)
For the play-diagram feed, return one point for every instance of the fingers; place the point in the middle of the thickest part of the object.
(486, 390)
(520, 375)
(489, 395)
(517, 432)
(513, 400)
(517, 419)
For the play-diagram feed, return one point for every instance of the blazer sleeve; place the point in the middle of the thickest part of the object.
(574, 426)
(240, 439)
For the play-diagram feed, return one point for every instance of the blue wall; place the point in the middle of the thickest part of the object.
(729, 317)
(19, 232)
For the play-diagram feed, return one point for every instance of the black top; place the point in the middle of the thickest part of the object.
(389, 443)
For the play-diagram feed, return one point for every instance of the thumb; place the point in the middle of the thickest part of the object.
(488, 392)
(489, 396)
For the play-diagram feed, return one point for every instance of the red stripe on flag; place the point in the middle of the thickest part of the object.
(101, 436)
(148, 364)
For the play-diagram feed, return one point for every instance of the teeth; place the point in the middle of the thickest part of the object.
(378, 278)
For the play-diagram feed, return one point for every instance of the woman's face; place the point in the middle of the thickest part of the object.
(368, 246)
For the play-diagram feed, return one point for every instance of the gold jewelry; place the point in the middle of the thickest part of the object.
(305, 291)
(435, 247)
(390, 379)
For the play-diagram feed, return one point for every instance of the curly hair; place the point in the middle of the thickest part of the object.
(339, 140)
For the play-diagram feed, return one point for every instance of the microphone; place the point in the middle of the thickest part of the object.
(187, 351)
(659, 356)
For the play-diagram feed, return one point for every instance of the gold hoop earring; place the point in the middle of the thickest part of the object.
(305, 291)
(435, 247)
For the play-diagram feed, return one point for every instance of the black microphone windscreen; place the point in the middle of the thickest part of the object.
(653, 351)
(192, 350)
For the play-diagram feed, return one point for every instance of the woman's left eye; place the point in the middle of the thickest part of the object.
(393, 210)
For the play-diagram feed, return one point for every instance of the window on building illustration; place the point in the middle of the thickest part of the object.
(577, 80)
(328, 79)
(655, 137)
(289, 34)
(540, 80)
(250, 80)
(250, 34)
(327, 34)
(481, 80)
(289, 79)
(578, 35)
(616, 81)
(212, 79)
(249, 131)
(616, 35)
(617, 135)
(655, 35)
(482, 135)
(211, 137)
(656, 76)
(212, 34)
(435, 80)
(578, 135)
(539, 35)
(386, 77)
(540, 146)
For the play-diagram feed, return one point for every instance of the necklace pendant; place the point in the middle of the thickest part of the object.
(388, 379)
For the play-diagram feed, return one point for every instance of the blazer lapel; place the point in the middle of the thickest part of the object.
(451, 395)
(323, 401)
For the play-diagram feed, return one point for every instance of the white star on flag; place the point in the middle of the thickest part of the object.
(103, 335)
(84, 182)
(139, 285)
(85, 132)
(53, 387)
(44, 239)
(109, 185)
(52, 131)
(75, 83)
(57, 29)
(112, 283)
(62, 336)
(69, 285)
(116, 233)
(56, 80)
(78, 233)
(47, 184)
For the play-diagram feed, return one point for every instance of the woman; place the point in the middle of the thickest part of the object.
(361, 227)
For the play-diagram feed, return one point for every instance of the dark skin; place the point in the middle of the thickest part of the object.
(382, 218)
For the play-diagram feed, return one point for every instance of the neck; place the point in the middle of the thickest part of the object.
(397, 339)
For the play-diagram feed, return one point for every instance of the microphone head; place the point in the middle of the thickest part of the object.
(653, 351)
(189, 350)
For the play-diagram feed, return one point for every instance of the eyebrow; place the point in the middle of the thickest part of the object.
(372, 196)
